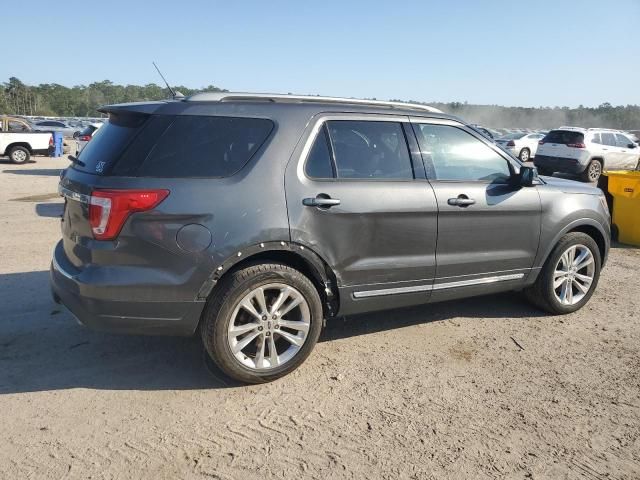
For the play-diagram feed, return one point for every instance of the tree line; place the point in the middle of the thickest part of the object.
(51, 99)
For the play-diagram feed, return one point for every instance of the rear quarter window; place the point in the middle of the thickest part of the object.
(200, 146)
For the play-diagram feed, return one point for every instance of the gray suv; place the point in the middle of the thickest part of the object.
(253, 218)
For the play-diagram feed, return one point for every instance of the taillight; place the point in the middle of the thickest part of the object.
(51, 141)
(109, 209)
(576, 145)
(511, 143)
(84, 138)
(541, 142)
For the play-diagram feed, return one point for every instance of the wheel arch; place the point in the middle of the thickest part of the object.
(292, 254)
(585, 225)
(17, 144)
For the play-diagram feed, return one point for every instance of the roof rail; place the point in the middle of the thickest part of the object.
(278, 97)
(590, 128)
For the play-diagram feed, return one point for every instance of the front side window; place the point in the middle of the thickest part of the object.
(370, 150)
(622, 141)
(453, 154)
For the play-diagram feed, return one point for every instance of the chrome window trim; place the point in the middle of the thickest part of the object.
(71, 195)
(438, 286)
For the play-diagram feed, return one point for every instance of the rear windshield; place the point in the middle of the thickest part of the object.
(564, 137)
(174, 146)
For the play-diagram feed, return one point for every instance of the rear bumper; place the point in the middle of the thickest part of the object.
(88, 304)
(559, 164)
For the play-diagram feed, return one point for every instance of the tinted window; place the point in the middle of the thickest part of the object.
(319, 164)
(608, 139)
(453, 154)
(564, 137)
(197, 146)
(370, 150)
(622, 141)
(513, 136)
(108, 142)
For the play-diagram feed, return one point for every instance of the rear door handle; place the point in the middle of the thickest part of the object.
(322, 200)
(461, 201)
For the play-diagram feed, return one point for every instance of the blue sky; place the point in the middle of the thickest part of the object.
(528, 53)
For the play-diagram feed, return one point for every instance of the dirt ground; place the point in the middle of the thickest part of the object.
(482, 388)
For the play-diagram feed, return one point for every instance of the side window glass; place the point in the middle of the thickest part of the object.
(596, 138)
(370, 150)
(608, 139)
(622, 141)
(17, 127)
(457, 155)
(319, 164)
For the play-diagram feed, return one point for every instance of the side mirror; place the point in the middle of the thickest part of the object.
(632, 145)
(526, 176)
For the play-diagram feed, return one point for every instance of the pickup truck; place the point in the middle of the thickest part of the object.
(18, 141)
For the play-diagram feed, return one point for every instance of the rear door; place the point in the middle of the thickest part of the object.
(612, 154)
(357, 195)
(488, 229)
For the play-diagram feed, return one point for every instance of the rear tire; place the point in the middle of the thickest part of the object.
(592, 172)
(225, 314)
(525, 155)
(543, 294)
(19, 155)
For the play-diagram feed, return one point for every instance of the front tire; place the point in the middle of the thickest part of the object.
(19, 155)
(525, 155)
(569, 276)
(262, 322)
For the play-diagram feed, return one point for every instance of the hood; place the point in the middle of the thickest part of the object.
(571, 186)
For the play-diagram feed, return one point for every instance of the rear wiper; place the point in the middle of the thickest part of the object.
(75, 160)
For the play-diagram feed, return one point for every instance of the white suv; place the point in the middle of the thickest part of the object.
(586, 152)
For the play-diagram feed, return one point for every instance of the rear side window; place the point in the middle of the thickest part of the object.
(596, 138)
(608, 139)
(370, 150)
(199, 146)
(564, 137)
(319, 163)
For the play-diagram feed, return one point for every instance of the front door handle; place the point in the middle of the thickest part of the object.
(322, 201)
(461, 201)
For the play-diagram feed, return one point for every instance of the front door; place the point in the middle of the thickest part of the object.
(488, 229)
(357, 195)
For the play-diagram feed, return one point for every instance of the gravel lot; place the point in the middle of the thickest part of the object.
(482, 388)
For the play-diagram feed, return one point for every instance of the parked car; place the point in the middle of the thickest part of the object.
(56, 126)
(482, 130)
(522, 145)
(586, 152)
(86, 135)
(252, 218)
(19, 142)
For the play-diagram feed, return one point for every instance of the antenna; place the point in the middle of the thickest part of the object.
(174, 94)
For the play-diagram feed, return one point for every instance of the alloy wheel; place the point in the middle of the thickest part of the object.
(574, 274)
(595, 169)
(269, 326)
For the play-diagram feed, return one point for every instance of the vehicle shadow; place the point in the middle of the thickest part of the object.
(50, 210)
(42, 348)
(50, 172)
